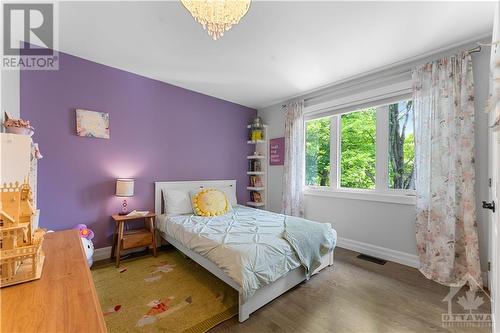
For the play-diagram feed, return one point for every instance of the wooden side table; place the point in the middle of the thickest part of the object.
(130, 239)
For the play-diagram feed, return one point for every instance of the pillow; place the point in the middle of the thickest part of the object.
(177, 202)
(209, 202)
(230, 192)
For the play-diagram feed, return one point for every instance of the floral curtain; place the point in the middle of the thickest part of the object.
(447, 239)
(293, 180)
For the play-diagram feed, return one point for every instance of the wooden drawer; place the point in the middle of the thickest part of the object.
(136, 238)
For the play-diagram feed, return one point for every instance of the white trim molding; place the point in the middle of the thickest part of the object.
(102, 253)
(367, 195)
(399, 257)
(372, 97)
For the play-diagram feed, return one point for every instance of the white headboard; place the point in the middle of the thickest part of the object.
(185, 185)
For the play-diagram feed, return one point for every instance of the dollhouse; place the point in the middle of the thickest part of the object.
(21, 255)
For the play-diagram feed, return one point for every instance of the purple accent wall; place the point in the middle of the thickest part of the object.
(159, 132)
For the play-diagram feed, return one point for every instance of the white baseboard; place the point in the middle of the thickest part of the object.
(102, 253)
(105, 252)
(399, 257)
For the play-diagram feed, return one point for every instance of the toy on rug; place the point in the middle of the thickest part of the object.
(86, 236)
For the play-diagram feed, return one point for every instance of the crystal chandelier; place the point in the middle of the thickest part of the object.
(217, 16)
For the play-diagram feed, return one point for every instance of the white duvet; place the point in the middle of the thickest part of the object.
(246, 243)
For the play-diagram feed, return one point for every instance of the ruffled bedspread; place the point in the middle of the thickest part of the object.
(248, 244)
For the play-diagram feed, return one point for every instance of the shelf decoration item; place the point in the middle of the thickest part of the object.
(124, 188)
(256, 196)
(21, 254)
(17, 126)
(92, 124)
(253, 181)
(254, 165)
(257, 130)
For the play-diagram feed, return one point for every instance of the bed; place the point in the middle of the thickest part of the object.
(245, 248)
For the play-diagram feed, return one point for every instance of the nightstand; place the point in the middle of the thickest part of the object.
(130, 239)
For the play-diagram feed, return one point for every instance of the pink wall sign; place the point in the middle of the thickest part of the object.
(277, 151)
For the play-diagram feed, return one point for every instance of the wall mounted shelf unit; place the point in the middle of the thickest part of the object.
(257, 168)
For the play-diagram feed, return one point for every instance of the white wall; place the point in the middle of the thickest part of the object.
(10, 96)
(380, 227)
(480, 63)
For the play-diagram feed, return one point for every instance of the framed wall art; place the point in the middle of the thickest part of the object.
(92, 124)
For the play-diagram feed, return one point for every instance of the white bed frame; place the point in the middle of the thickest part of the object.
(262, 296)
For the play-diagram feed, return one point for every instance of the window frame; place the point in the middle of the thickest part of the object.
(335, 109)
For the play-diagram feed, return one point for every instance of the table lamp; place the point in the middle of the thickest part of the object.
(124, 188)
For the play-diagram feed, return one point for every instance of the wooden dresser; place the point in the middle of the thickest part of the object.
(64, 299)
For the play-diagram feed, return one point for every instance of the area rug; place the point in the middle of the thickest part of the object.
(169, 293)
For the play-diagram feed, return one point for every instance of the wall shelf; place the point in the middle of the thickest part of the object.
(259, 160)
(255, 204)
(257, 173)
(251, 188)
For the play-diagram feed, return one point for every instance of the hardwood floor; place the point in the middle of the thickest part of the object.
(358, 296)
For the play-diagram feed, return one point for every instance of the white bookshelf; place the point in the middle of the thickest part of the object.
(261, 148)
(255, 157)
(253, 188)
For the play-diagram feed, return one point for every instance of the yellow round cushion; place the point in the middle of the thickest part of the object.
(210, 202)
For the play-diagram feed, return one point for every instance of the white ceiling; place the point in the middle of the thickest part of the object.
(278, 50)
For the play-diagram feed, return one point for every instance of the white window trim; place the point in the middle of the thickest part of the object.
(399, 197)
(372, 97)
(334, 109)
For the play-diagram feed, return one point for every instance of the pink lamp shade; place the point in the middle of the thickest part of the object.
(124, 187)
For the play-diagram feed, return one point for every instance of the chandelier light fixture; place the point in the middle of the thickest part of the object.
(217, 16)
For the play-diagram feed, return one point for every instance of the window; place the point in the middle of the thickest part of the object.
(368, 149)
(318, 152)
(357, 149)
(401, 146)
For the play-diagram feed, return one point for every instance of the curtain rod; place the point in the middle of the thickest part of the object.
(479, 47)
(475, 49)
